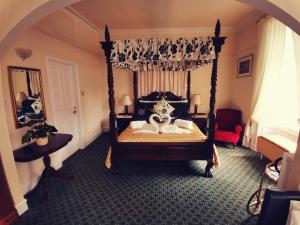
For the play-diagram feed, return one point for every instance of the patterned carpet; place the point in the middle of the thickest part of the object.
(148, 192)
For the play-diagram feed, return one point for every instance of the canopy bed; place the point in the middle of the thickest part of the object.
(165, 55)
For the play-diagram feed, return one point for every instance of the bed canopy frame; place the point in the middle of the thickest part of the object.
(163, 151)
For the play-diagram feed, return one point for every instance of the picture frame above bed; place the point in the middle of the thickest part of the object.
(244, 66)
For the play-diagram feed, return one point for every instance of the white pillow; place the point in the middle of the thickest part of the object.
(163, 108)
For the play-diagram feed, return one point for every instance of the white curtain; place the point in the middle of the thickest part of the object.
(154, 80)
(275, 104)
(34, 82)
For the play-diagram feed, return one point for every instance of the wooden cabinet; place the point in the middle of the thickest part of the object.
(123, 121)
(201, 121)
(7, 211)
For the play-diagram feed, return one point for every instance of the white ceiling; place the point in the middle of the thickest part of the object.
(153, 14)
(82, 24)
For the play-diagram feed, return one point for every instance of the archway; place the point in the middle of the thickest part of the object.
(31, 13)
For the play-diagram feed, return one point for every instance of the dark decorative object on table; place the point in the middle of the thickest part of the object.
(40, 131)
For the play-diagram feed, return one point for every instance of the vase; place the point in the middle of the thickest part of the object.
(41, 141)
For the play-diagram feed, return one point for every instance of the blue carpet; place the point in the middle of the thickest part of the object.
(148, 192)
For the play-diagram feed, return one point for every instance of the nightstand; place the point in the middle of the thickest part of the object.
(201, 121)
(123, 121)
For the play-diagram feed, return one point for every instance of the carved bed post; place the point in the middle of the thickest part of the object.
(107, 47)
(135, 89)
(188, 90)
(217, 42)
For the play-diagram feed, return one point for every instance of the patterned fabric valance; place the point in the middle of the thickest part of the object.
(181, 54)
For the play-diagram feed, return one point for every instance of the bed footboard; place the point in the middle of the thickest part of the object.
(162, 151)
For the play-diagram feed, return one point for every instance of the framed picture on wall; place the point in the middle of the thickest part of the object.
(244, 67)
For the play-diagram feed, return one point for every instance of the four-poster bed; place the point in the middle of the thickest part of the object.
(181, 147)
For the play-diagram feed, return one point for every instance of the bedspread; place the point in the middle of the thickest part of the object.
(129, 136)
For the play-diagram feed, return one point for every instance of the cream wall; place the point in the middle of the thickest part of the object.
(242, 88)
(8, 161)
(90, 81)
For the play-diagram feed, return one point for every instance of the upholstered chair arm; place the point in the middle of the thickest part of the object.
(238, 129)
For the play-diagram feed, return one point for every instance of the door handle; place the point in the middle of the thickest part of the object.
(74, 110)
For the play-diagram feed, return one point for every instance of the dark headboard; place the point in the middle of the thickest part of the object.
(156, 96)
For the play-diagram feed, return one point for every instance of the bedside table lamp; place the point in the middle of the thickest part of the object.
(196, 100)
(126, 100)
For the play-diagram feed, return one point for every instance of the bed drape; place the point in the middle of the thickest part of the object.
(34, 83)
(181, 54)
(162, 81)
(275, 103)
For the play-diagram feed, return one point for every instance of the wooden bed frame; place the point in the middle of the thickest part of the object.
(167, 150)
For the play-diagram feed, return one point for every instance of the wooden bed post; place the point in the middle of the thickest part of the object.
(107, 47)
(188, 90)
(135, 89)
(217, 42)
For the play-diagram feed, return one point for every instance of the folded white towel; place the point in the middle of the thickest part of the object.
(137, 124)
(147, 129)
(184, 124)
(140, 131)
(173, 129)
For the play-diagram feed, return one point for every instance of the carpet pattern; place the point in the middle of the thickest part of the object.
(148, 192)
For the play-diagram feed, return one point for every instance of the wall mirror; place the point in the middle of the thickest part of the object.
(27, 95)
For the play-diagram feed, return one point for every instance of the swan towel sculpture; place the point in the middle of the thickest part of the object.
(155, 127)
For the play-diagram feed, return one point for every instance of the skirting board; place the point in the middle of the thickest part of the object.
(21, 207)
(94, 136)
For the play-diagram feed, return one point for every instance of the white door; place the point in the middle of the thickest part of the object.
(63, 87)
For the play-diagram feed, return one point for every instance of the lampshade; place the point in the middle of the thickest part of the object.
(23, 53)
(196, 99)
(20, 97)
(126, 100)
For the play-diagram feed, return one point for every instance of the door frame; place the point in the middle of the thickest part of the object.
(77, 86)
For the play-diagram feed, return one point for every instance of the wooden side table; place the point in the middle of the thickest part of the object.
(33, 151)
(123, 121)
(201, 121)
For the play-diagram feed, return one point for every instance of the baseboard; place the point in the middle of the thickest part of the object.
(93, 137)
(21, 207)
(105, 130)
(9, 219)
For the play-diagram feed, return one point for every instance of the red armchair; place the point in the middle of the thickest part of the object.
(228, 126)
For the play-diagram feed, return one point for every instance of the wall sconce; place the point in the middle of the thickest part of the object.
(23, 53)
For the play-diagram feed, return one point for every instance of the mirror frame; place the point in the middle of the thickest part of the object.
(13, 97)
